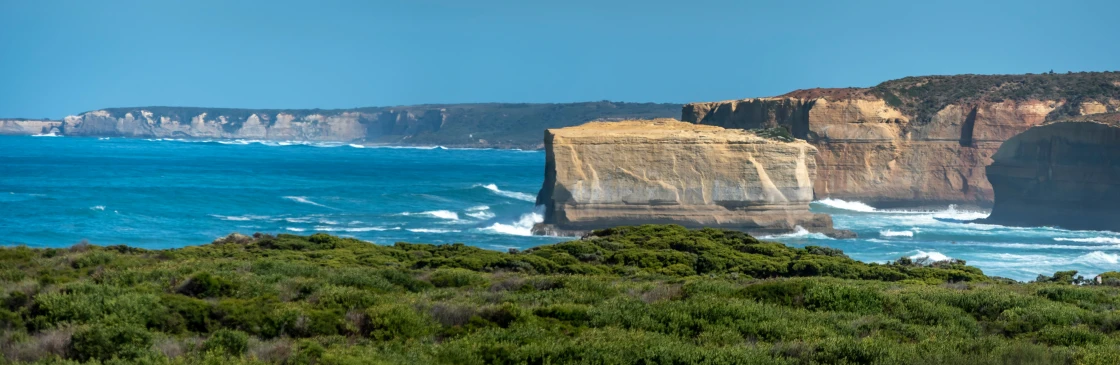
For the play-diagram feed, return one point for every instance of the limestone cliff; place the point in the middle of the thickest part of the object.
(920, 140)
(1064, 174)
(600, 175)
(29, 126)
(468, 125)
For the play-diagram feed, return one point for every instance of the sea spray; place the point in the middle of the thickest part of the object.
(523, 226)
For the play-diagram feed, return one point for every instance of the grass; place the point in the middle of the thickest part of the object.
(629, 295)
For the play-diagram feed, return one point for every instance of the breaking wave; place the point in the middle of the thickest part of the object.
(798, 233)
(97, 207)
(931, 256)
(890, 233)
(509, 194)
(1099, 258)
(522, 227)
(847, 205)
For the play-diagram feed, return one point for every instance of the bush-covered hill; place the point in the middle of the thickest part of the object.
(923, 96)
(630, 295)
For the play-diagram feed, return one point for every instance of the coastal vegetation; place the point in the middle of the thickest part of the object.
(628, 295)
(924, 96)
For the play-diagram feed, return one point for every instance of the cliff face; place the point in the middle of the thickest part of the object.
(915, 141)
(28, 126)
(1064, 174)
(600, 175)
(470, 125)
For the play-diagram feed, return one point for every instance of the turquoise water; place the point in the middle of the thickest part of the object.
(55, 192)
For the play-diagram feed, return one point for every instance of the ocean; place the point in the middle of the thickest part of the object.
(58, 191)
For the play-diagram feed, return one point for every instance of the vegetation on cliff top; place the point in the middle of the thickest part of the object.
(629, 295)
(924, 96)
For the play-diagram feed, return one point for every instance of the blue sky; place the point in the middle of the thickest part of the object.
(65, 57)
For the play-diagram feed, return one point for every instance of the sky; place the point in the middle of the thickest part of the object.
(65, 57)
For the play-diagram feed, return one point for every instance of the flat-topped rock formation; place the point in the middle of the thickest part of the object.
(917, 140)
(1064, 174)
(606, 174)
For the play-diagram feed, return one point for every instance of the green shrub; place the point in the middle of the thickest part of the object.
(647, 294)
(398, 321)
(103, 341)
(1069, 336)
(227, 341)
(207, 285)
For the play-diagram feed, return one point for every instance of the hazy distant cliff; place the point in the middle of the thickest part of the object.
(478, 125)
(917, 140)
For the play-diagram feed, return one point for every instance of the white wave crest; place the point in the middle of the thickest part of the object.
(431, 230)
(441, 214)
(798, 233)
(304, 200)
(889, 233)
(52, 134)
(294, 229)
(1099, 258)
(1108, 240)
(480, 212)
(509, 194)
(97, 207)
(522, 227)
(357, 145)
(847, 205)
(933, 256)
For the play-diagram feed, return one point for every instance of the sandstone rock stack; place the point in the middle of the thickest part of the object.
(1064, 174)
(606, 174)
